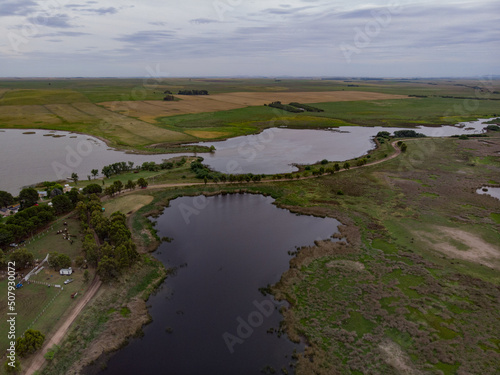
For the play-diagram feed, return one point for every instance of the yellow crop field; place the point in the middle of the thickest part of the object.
(27, 116)
(70, 114)
(150, 110)
(129, 130)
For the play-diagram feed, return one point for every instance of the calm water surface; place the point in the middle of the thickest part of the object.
(276, 150)
(492, 191)
(232, 245)
(32, 158)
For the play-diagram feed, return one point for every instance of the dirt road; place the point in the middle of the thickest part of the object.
(38, 360)
(163, 186)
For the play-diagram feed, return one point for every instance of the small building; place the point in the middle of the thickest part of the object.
(66, 271)
(66, 188)
(42, 194)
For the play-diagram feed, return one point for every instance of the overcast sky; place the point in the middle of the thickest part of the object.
(52, 38)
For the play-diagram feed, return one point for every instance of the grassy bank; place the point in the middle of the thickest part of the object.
(420, 291)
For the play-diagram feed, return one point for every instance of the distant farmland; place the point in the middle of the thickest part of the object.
(149, 110)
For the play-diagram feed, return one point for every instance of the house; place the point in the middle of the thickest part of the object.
(13, 209)
(66, 271)
(4, 212)
(67, 188)
(42, 194)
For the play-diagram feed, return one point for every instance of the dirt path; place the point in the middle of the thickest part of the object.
(38, 360)
(163, 186)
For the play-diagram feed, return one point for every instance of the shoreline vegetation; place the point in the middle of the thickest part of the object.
(416, 255)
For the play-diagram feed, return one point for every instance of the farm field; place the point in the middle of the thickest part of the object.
(130, 113)
(35, 297)
(150, 110)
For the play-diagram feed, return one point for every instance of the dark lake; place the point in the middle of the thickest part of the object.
(210, 318)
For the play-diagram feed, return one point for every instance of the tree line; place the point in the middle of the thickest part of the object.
(114, 251)
(192, 92)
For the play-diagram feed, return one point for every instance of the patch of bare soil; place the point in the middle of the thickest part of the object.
(347, 265)
(474, 249)
(394, 356)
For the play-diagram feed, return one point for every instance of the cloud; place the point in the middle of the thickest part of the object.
(60, 21)
(203, 21)
(147, 37)
(102, 11)
(17, 8)
(61, 33)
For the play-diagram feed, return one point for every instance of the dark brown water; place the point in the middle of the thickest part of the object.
(210, 318)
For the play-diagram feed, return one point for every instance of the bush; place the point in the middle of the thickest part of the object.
(30, 342)
(408, 134)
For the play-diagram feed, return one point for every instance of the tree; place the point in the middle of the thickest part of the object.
(16, 369)
(30, 342)
(58, 261)
(6, 236)
(404, 147)
(336, 166)
(107, 268)
(55, 192)
(62, 204)
(22, 258)
(74, 177)
(107, 171)
(347, 165)
(6, 199)
(86, 276)
(109, 190)
(92, 189)
(79, 261)
(142, 183)
(130, 185)
(94, 173)
(118, 185)
(28, 197)
(74, 195)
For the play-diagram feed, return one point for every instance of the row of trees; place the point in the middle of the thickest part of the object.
(115, 168)
(118, 186)
(192, 92)
(116, 250)
(286, 107)
(25, 223)
(121, 167)
(306, 107)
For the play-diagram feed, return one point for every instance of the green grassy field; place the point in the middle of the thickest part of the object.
(70, 104)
